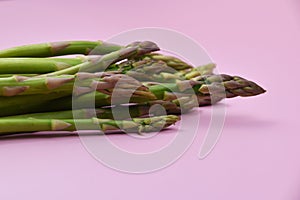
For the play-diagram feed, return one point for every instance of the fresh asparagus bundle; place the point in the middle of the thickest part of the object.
(38, 93)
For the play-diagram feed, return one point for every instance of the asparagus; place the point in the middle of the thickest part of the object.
(101, 113)
(152, 67)
(198, 71)
(26, 104)
(171, 61)
(101, 63)
(144, 70)
(14, 103)
(40, 94)
(37, 65)
(21, 85)
(159, 71)
(10, 75)
(139, 125)
(85, 82)
(177, 106)
(60, 48)
(208, 89)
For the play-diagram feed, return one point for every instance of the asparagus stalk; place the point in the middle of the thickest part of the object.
(201, 70)
(203, 86)
(177, 106)
(26, 104)
(85, 82)
(171, 61)
(10, 75)
(21, 85)
(60, 48)
(101, 63)
(159, 71)
(103, 88)
(138, 125)
(208, 89)
(101, 113)
(153, 67)
(37, 65)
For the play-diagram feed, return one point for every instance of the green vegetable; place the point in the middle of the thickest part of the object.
(138, 125)
(60, 48)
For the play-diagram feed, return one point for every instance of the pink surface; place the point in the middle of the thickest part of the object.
(257, 156)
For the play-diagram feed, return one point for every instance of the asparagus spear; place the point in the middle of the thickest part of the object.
(101, 113)
(177, 106)
(139, 125)
(152, 67)
(198, 71)
(171, 61)
(101, 63)
(37, 65)
(60, 48)
(21, 104)
(10, 75)
(159, 71)
(85, 82)
(208, 89)
(21, 85)
(26, 104)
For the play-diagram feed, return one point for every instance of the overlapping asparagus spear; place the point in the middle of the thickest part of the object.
(102, 84)
(157, 65)
(60, 48)
(37, 65)
(159, 70)
(108, 88)
(132, 50)
(140, 125)
(177, 106)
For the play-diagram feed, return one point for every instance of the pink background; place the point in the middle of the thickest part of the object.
(257, 156)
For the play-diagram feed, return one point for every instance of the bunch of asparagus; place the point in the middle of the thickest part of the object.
(44, 87)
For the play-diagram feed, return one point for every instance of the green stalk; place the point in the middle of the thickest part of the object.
(37, 65)
(208, 89)
(159, 70)
(212, 88)
(10, 75)
(13, 104)
(20, 85)
(100, 64)
(171, 61)
(138, 125)
(99, 99)
(60, 48)
(118, 112)
(26, 104)
(85, 82)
